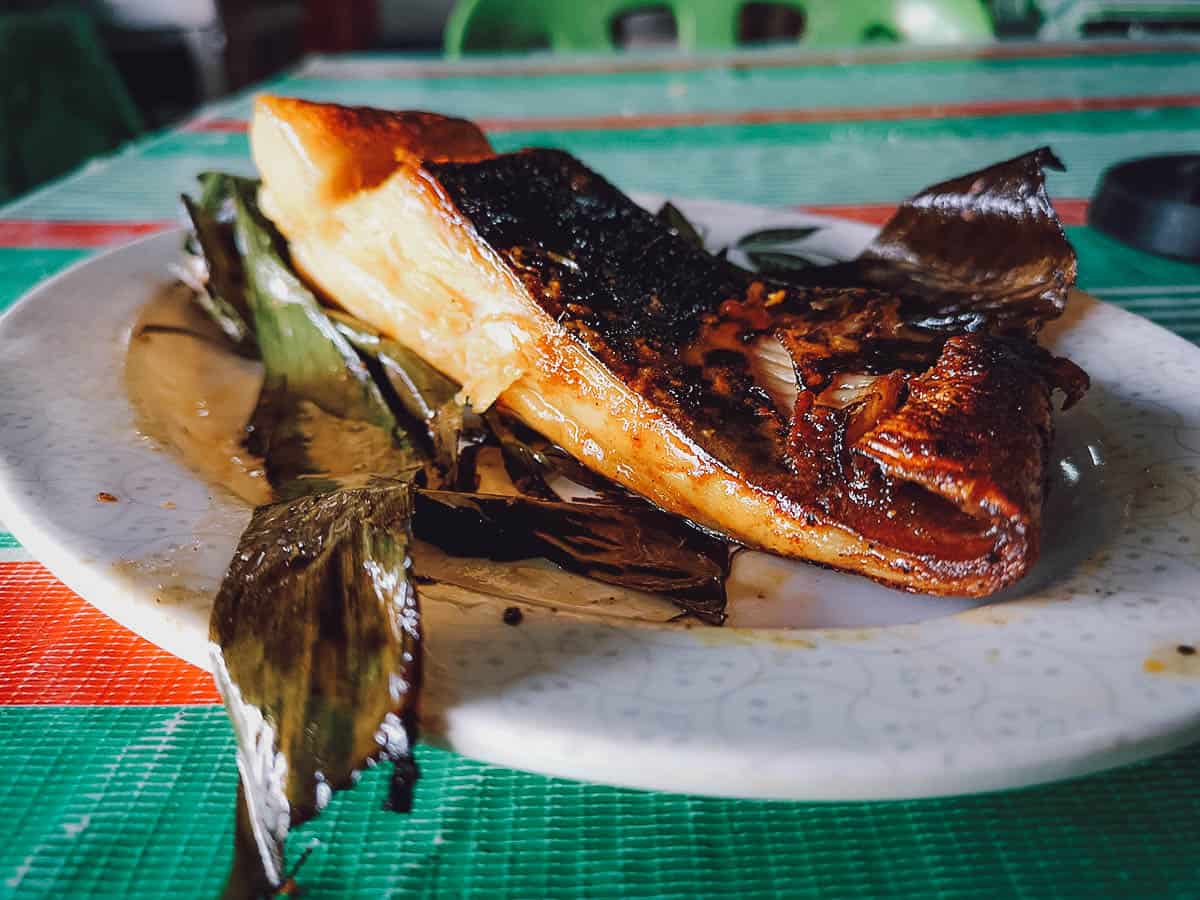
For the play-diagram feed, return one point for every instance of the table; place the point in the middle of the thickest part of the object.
(118, 762)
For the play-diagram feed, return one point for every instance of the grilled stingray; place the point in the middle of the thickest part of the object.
(910, 441)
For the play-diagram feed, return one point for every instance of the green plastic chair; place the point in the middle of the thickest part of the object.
(61, 99)
(492, 25)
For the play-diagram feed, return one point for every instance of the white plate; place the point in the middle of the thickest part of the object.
(1077, 669)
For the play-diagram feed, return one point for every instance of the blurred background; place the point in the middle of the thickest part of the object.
(79, 79)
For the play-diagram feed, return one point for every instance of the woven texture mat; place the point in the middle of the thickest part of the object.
(137, 802)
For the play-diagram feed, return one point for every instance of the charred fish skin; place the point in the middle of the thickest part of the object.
(529, 278)
(553, 219)
(629, 290)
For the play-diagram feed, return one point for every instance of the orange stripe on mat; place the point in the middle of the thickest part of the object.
(802, 116)
(58, 650)
(42, 233)
(1071, 211)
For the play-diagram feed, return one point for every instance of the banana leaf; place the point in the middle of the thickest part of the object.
(615, 537)
(773, 238)
(421, 388)
(321, 415)
(638, 547)
(983, 251)
(671, 216)
(782, 263)
(346, 420)
(213, 266)
(525, 464)
(532, 462)
(315, 638)
(415, 389)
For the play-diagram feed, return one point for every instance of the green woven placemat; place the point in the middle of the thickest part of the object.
(138, 803)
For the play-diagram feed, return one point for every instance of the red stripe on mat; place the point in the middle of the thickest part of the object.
(1071, 210)
(619, 64)
(58, 650)
(802, 116)
(216, 125)
(33, 233)
(43, 233)
(870, 213)
(844, 113)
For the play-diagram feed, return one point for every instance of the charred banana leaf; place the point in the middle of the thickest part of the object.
(614, 537)
(315, 639)
(321, 415)
(532, 462)
(526, 464)
(641, 548)
(982, 252)
(416, 390)
(315, 634)
(212, 265)
(671, 216)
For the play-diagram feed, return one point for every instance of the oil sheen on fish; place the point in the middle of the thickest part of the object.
(912, 445)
